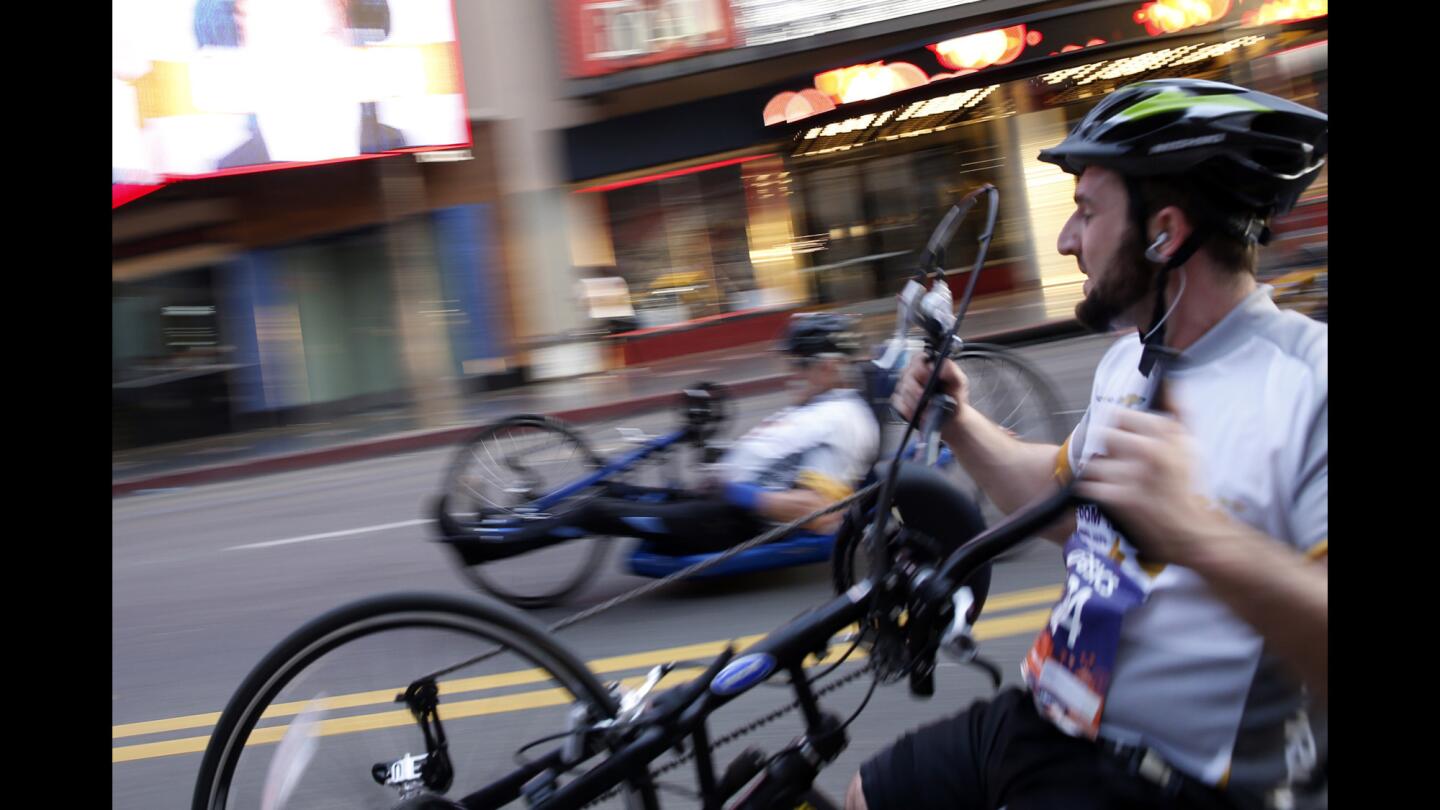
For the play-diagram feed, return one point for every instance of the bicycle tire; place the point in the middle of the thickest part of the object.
(586, 553)
(486, 620)
(1052, 427)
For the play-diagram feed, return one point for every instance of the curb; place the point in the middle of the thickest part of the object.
(425, 440)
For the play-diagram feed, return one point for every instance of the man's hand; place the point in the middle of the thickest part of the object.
(1144, 480)
(917, 376)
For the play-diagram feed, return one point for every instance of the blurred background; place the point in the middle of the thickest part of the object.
(571, 187)
(347, 232)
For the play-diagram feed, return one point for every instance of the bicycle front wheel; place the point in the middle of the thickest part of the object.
(317, 723)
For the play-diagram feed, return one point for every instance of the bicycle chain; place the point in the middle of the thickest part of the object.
(753, 725)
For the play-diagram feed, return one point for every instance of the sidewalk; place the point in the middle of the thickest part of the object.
(748, 370)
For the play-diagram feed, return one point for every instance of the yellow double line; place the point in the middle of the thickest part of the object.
(997, 627)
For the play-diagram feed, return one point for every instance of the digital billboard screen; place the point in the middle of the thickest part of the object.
(211, 87)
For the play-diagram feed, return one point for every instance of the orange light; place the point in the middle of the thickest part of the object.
(1033, 38)
(975, 51)
(1169, 16)
(908, 74)
(775, 109)
(863, 82)
(806, 103)
(1282, 11)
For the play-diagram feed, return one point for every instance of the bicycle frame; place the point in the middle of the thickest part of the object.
(682, 711)
(620, 464)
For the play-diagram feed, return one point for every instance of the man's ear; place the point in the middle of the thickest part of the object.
(1171, 224)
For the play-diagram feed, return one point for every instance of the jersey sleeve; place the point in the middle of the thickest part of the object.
(1067, 459)
(1309, 512)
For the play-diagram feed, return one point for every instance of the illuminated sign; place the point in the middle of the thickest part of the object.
(997, 47)
(1283, 11)
(1169, 16)
(212, 87)
(605, 36)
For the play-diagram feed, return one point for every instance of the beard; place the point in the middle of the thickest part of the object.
(1122, 285)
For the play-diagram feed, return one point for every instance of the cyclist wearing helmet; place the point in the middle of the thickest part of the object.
(798, 460)
(1185, 663)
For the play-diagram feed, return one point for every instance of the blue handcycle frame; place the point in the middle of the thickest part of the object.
(648, 558)
(797, 548)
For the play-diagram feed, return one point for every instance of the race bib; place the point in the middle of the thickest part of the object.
(1069, 668)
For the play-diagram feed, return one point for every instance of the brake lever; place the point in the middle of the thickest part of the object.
(895, 348)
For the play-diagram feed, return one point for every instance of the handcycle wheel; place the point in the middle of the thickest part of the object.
(310, 724)
(927, 502)
(1012, 392)
(934, 518)
(499, 474)
(1015, 395)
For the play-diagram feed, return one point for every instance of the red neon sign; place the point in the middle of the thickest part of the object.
(650, 178)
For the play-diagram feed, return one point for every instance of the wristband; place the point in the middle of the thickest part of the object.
(745, 496)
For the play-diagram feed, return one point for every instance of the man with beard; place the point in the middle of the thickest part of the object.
(1185, 662)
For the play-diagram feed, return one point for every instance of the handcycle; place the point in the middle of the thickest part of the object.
(530, 466)
(924, 540)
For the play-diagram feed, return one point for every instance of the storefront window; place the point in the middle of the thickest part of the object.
(703, 243)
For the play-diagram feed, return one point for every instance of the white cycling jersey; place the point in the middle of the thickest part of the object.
(826, 444)
(1146, 655)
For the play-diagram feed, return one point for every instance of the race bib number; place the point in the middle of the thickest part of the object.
(1069, 668)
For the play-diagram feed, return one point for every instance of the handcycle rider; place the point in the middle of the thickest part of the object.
(800, 459)
(1185, 663)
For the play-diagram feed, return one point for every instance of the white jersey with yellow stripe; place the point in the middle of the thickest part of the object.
(826, 445)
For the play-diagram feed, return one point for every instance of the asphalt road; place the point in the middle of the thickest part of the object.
(207, 580)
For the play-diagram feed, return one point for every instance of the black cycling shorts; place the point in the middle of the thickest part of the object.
(1002, 754)
(684, 524)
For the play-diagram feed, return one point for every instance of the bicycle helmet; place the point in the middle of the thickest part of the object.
(814, 333)
(1250, 152)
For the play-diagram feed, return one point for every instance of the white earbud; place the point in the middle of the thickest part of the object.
(1153, 252)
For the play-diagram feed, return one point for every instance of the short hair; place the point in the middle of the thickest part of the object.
(1229, 251)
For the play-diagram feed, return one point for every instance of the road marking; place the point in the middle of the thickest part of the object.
(600, 666)
(330, 535)
(987, 629)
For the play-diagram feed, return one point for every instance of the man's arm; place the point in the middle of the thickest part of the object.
(783, 506)
(1011, 472)
(1282, 593)
(1144, 480)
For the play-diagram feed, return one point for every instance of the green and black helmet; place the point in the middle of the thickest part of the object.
(1252, 152)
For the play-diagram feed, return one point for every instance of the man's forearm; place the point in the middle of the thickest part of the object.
(1279, 591)
(785, 506)
(1011, 472)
